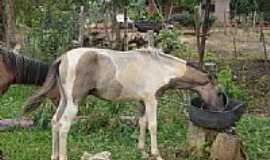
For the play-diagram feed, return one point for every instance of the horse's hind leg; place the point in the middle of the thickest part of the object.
(151, 112)
(74, 96)
(55, 129)
(65, 121)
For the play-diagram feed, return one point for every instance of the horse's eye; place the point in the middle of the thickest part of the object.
(220, 94)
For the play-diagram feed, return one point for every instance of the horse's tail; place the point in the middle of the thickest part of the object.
(34, 101)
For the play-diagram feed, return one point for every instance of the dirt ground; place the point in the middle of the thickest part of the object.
(254, 75)
(247, 42)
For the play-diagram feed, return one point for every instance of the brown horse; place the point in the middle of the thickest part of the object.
(16, 69)
(140, 75)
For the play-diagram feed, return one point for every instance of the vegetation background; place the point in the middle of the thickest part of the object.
(47, 28)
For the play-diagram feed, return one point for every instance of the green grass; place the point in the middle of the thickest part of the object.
(100, 129)
(255, 133)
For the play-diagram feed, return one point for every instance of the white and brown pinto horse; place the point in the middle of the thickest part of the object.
(140, 75)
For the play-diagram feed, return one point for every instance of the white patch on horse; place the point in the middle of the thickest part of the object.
(73, 58)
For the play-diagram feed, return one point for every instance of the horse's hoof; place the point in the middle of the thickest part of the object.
(63, 158)
(155, 157)
(54, 158)
(159, 158)
(144, 155)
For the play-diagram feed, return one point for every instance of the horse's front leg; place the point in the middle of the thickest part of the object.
(151, 113)
(143, 124)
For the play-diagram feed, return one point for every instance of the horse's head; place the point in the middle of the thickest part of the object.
(3, 65)
(200, 82)
(188, 76)
(212, 95)
(6, 75)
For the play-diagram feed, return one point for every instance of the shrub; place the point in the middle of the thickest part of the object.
(156, 17)
(168, 40)
(225, 78)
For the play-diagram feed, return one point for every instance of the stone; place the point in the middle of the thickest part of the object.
(105, 155)
(226, 147)
(198, 138)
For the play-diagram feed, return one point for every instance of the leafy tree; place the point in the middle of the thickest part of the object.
(243, 6)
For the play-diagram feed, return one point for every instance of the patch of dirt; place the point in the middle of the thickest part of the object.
(254, 75)
(247, 42)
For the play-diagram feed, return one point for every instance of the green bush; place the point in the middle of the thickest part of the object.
(167, 39)
(225, 78)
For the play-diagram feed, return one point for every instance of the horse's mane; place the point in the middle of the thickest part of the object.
(26, 70)
(159, 53)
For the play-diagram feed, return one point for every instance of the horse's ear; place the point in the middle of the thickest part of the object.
(212, 77)
(194, 64)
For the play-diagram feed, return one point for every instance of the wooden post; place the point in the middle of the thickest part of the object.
(234, 34)
(225, 22)
(197, 20)
(81, 25)
(234, 46)
(126, 26)
(150, 38)
(254, 20)
(205, 28)
(262, 38)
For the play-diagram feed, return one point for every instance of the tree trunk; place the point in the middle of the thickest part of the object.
(81, 26)
(107, 28)
(115, 28)
(10, 25)
(234, 35)
(171, 9)
(2, 23)
(155, 5)
(158, 8)
(126, 27)
(205, 28)
(150, 38)
(197, 20)
(262, 38)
